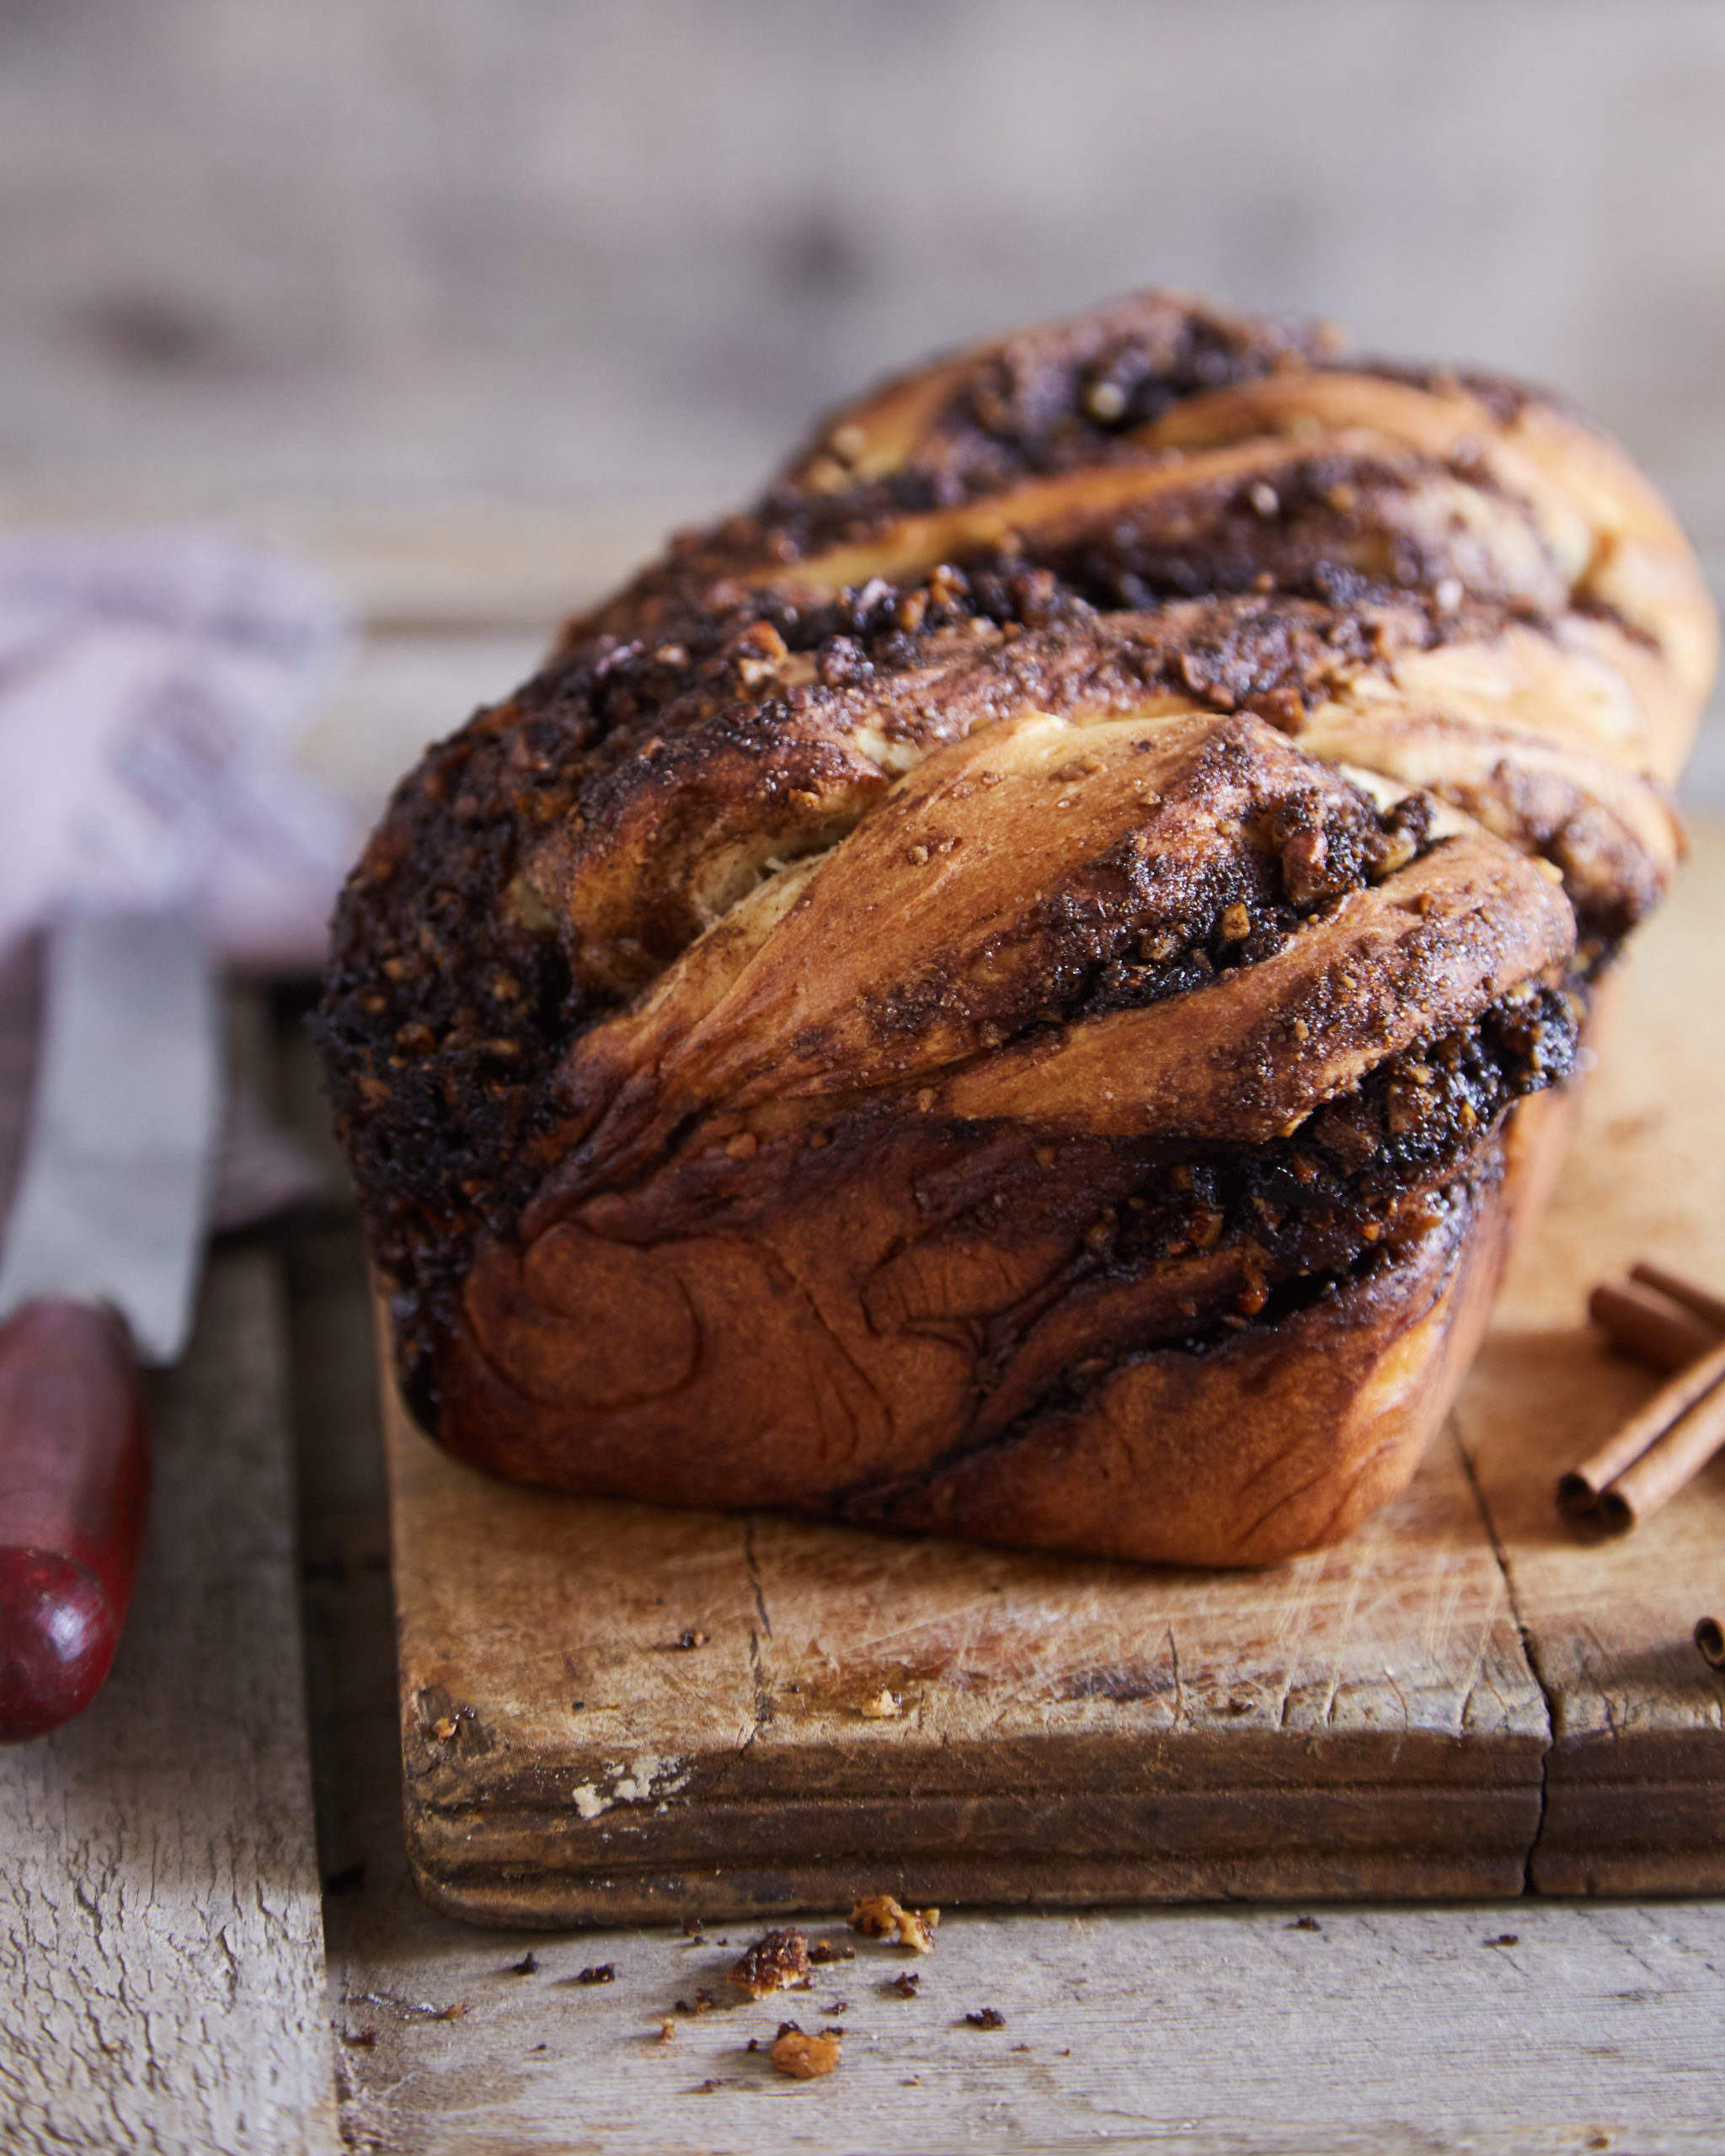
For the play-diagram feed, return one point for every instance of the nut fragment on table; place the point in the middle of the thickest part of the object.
(879, 1916)
(775, 1960)
(806, 2058)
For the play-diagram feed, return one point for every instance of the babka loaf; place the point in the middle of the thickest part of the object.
(1007, 990)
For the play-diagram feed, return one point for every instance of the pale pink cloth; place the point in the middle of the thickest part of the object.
(151, 685)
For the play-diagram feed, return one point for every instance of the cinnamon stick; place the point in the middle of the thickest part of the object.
(1650, 1325)
(1710, 1638)
(1580, 1491)
(1671, 1460)
(1702, 1300)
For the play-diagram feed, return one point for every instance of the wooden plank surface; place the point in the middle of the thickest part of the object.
(1363, 1721)
(161, 1945)
(1635, 1785)
(1216, 2032)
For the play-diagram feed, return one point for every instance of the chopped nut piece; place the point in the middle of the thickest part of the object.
(883, 1707)
(804, 2057)
(879, 1916)
(777, 1959)
(1236, 923)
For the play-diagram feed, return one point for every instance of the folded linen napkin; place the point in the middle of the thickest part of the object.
(151, 685)
(151, 688)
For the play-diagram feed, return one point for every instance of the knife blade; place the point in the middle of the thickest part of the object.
(97, 1274)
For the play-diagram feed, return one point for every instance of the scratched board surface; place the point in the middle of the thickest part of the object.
(612, 1711)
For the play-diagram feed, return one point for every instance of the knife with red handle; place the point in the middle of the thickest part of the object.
(97, 1274)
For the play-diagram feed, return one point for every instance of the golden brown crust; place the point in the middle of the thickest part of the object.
(991, 993)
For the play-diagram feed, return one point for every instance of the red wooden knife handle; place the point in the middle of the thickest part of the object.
(74, 1493)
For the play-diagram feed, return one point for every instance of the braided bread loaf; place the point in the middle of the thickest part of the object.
(1005, 991)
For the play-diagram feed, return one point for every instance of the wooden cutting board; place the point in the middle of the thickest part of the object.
(612, 1712)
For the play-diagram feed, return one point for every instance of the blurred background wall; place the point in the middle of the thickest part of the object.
(501, 287)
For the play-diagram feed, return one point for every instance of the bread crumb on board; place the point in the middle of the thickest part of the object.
(879, 1916)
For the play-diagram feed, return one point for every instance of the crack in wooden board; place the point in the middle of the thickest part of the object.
(1362, 1723)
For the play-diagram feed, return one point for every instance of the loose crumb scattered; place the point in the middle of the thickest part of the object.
(1505, 1939)
(692, 1638)
(879, 1916)
(456, 2013)
(667, 2030)
(987, 2017)
(362, 2039)
(707, 2088)
(824, 1949)
(807, 2057)
(884, 1706)
(525, 1967)
(694, 1929)
(606, 1973)
(838, 2006)
(1304, 1924)
(904, 1983)
(774, 1961)
(703, 2004)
